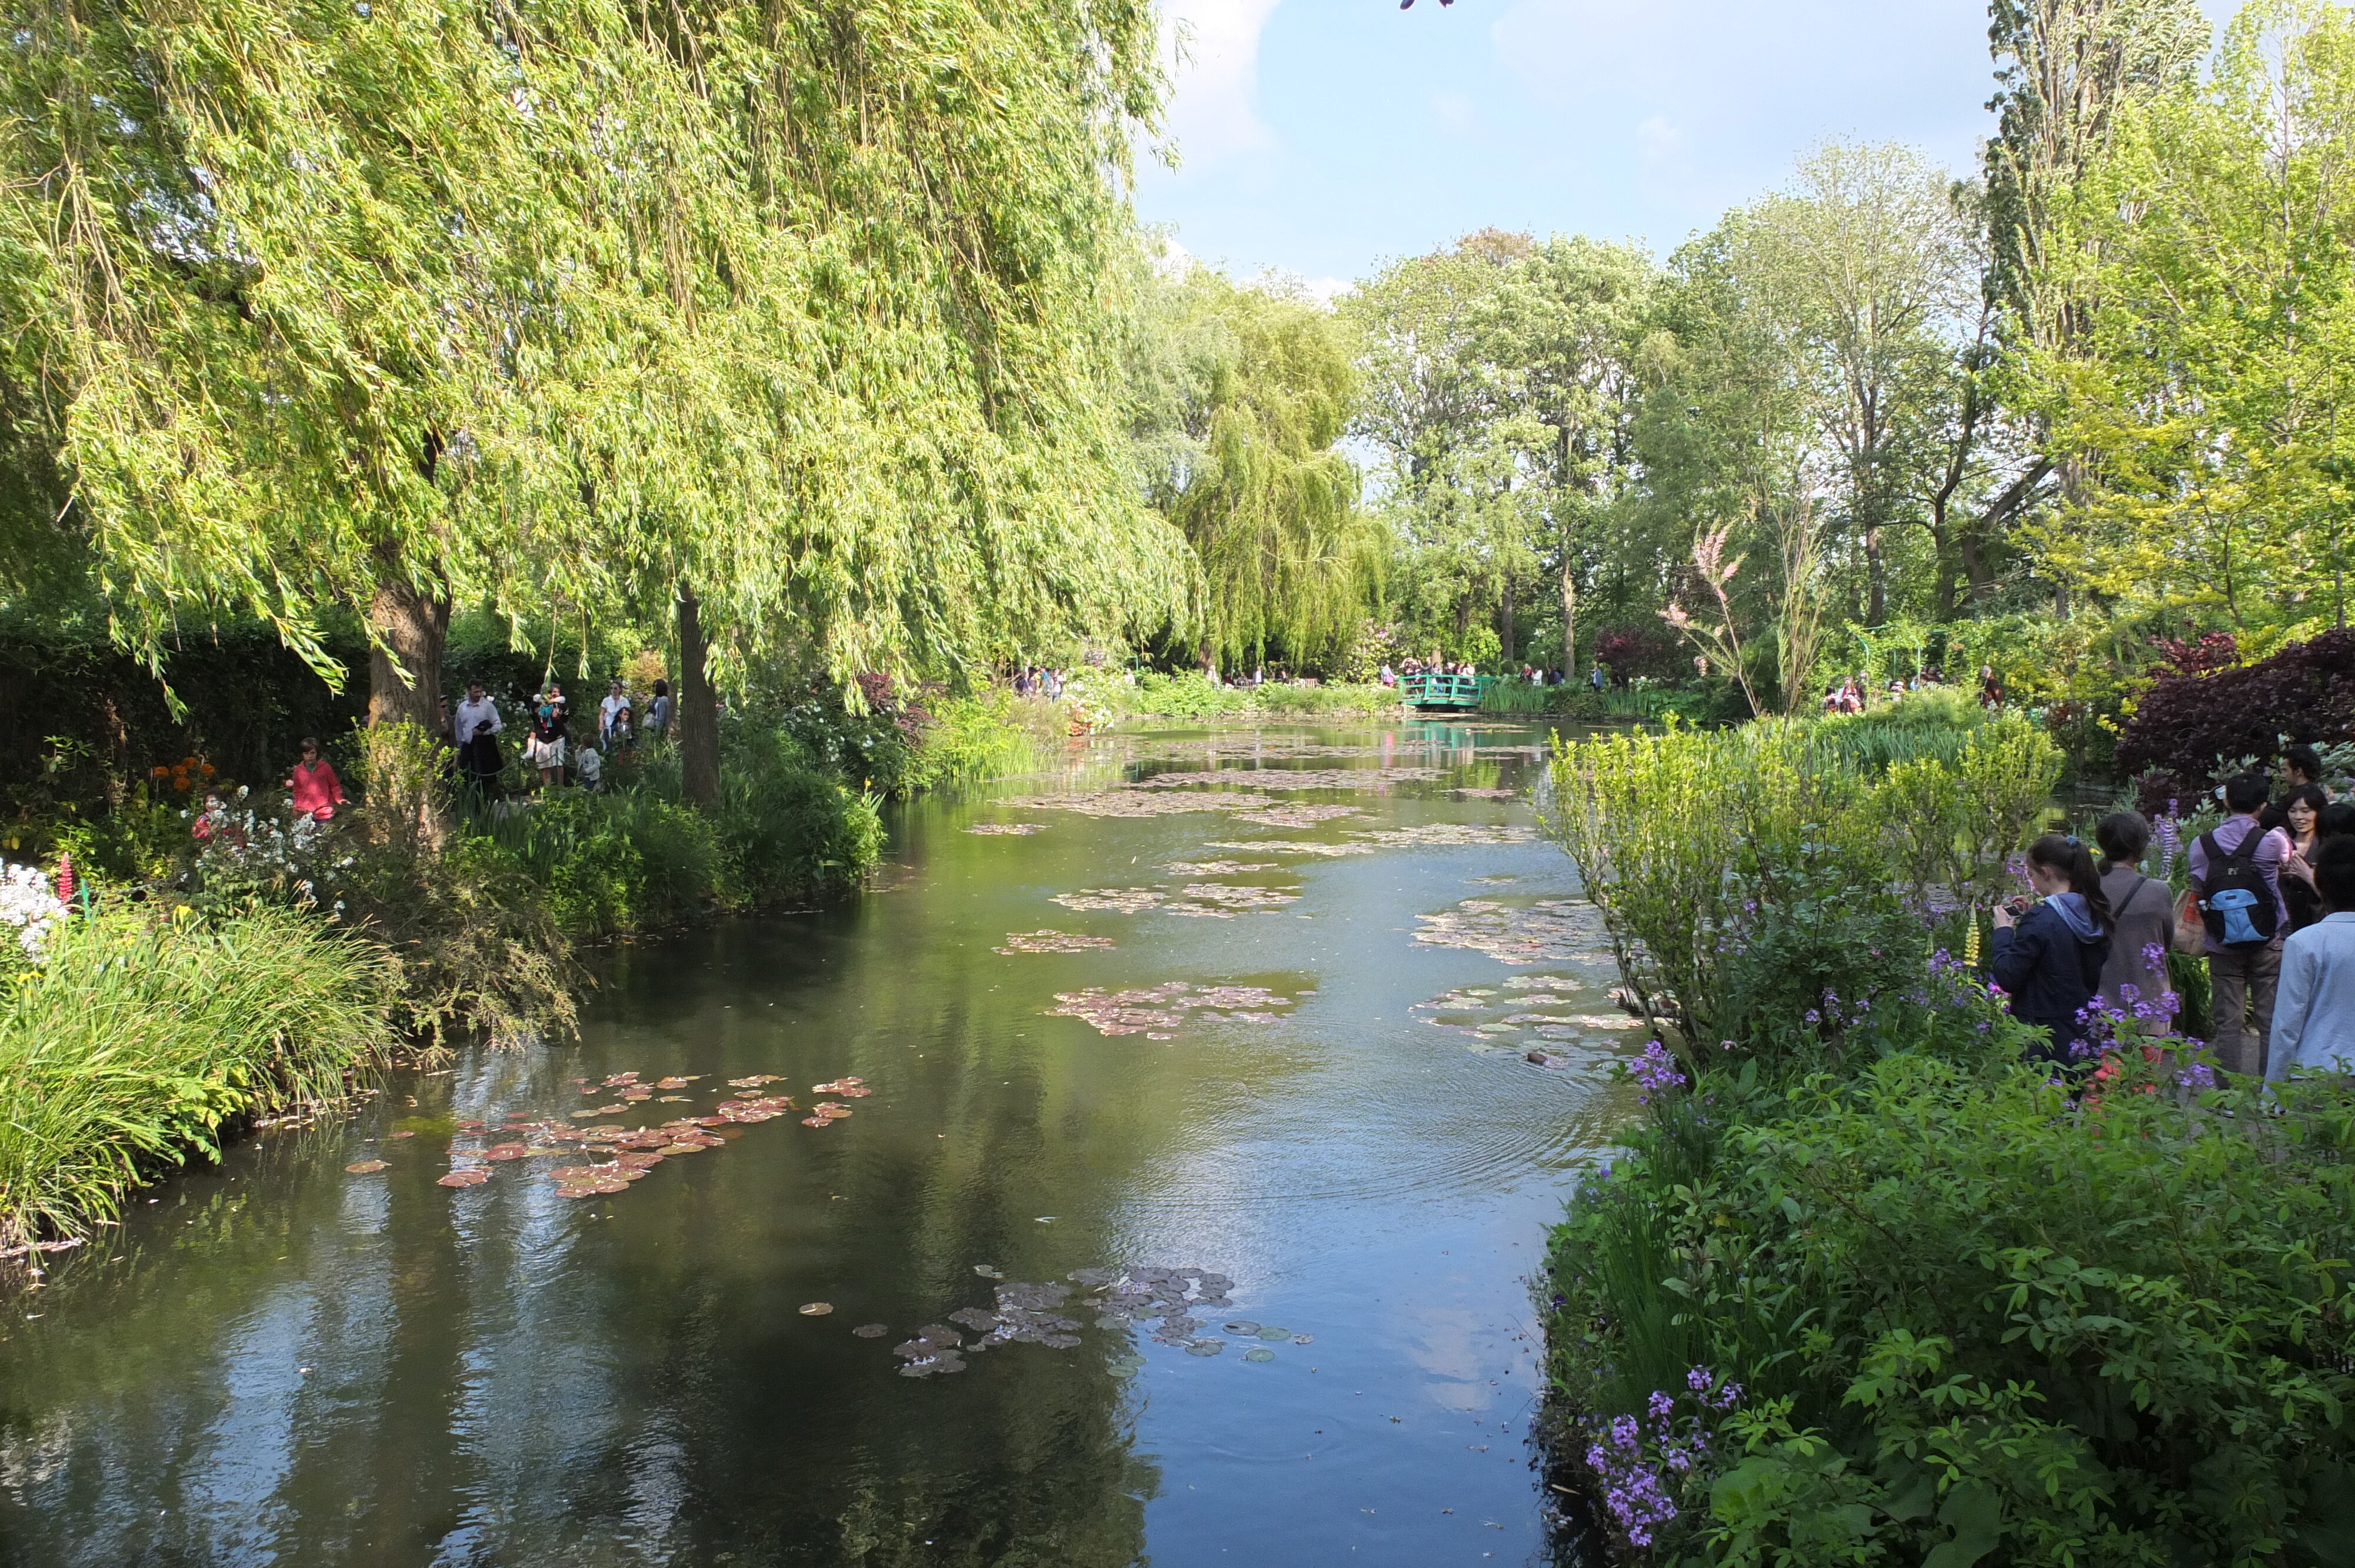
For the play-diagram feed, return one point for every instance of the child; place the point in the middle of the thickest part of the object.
(588, 768)
(2049, 959)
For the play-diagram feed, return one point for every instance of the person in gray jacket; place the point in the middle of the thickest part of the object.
(2143, 910)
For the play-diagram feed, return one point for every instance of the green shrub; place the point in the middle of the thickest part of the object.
(1370, 698)
(137, 1038)
(988, 735)
(626, 860)
(474, 942)
(1187, 695)
(787, 831)
(1971, 1319)
(1732, 866)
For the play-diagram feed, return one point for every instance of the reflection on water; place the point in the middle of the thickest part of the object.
(283, 1362)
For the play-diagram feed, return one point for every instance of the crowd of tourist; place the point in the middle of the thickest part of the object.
(2270, 912)
(550, 747)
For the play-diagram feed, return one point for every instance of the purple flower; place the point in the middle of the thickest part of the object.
(1814, 1017)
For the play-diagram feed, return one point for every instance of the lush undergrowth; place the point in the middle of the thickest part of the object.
(138, 1038)
(1939, 1312)
(1190, 695)
(1866, 1290)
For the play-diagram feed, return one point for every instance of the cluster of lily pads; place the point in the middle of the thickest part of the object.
(1051, 941)
(630, 1152)
(1526, 1007)
(1156, 1011)
(1034, 1314)
(1293, 778)
(1006, 830)
(1199, 900)
(1545, 931)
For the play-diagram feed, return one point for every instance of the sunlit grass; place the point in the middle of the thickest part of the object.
(137, 1040)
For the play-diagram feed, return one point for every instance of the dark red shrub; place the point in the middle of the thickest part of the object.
(2188, 729)
(1633, 651)
(2216, 650)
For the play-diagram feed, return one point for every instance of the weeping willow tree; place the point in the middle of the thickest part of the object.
(567, 305)
(1242, 393)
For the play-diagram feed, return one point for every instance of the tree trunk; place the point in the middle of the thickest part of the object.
(1506, 636)
(1569, 622)
(1876, 577)
(409, 627)
(699, 713)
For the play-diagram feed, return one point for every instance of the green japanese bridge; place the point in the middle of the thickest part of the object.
(1429, 690)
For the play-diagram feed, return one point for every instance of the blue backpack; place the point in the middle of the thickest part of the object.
(2238, 903)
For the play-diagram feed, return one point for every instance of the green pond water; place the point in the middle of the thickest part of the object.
(280, 1361)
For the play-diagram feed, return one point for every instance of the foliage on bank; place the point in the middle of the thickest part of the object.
(1866, 1289)
(139, 1036)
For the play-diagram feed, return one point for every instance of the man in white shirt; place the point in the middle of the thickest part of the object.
(473, 713)
(615, 703)
(472, 726)
(2314, 1010)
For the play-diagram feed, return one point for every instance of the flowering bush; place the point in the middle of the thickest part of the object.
(246, 856)
(29, 908)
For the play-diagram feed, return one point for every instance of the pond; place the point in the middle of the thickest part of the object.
(1233, 1269)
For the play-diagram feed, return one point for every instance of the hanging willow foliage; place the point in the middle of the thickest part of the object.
(1258, 392)
(557, 303)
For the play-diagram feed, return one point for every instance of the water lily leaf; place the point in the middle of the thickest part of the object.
(871, 1331)
(817, 1308)
(1272, 1333)
(363, 1167)
(1259, 1353)
(1241, 1325)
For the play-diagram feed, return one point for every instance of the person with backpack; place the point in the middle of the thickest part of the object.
(2049, 958)
(2236, 881)
(2143, 916)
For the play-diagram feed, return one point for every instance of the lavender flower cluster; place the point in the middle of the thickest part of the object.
(1654, 1072)
(1637, 1461)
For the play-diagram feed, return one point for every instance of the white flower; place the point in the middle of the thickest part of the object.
(27, 902)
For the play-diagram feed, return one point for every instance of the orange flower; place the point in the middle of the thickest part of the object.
(206, 769)
(159, 772)
(187, 762)
(180, 781)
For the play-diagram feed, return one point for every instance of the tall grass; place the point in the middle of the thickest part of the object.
(1935, 726)
(1519, 697)
(137, 1039)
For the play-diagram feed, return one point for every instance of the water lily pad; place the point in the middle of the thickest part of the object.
(1241, 1325)
(1259, 1353)
(1275, 1333)
(871, 1331)
(817, 1308)
(364, 1167)
(404, 1132)
(469, 1178)
(1205, 1347)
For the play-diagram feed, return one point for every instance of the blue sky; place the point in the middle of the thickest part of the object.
(1323, 136)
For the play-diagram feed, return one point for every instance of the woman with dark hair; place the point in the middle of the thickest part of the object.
(2049, 958)
(2142, 918)
(2301, 816)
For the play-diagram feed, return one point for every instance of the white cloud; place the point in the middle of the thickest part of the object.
(1214, 72)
